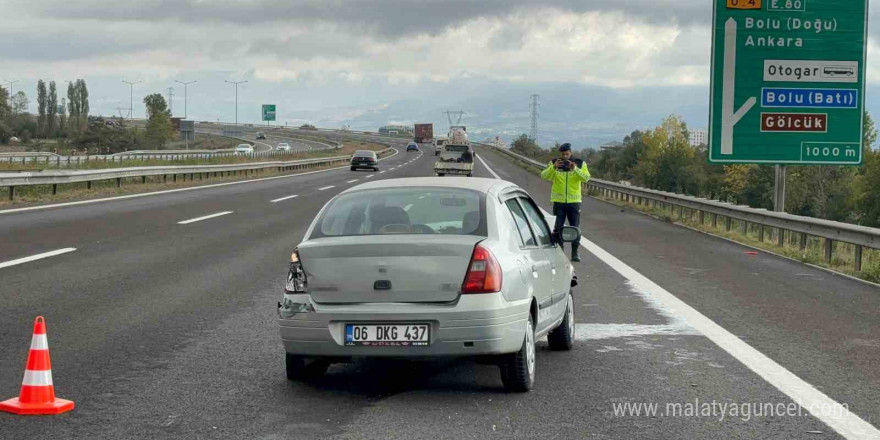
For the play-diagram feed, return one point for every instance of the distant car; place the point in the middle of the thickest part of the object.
(412, 146)
(429, 268)
(364, 159)
(261, 135)
(438, 146)
(283, 147)
(244, 149)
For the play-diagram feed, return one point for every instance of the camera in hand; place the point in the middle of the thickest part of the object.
(564, 166)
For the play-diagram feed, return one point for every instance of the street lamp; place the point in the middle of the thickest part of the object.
(131, 97)
(236, 83)
(10, 85)
(184, 95)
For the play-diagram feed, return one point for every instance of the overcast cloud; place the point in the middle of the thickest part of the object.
(378, 51)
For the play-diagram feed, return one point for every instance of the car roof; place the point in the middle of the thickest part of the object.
(479, 184)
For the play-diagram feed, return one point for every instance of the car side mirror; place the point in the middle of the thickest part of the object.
(568, 234)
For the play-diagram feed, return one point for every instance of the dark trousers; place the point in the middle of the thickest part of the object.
(570, 212)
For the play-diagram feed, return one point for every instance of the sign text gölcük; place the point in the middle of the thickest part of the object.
(788, 81)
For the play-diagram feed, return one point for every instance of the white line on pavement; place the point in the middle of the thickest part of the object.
(370, 176)
(283, 199)
(847, 424)
(326, 188)
(35, 257)
(193, 220)
(383, 172)
(352, 181)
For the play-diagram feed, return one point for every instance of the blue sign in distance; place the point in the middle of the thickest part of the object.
(809, 98)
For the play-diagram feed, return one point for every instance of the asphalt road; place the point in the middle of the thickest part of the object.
(167, 330)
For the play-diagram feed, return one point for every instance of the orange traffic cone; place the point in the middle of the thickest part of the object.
(37, 392)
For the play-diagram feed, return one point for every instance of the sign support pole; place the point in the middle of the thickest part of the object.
(779, 189)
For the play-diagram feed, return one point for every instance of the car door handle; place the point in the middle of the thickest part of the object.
(534, 268)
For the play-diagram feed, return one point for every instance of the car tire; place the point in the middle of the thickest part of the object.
(518, 369)
(353, 169)
(299, 369)
(441, 174)
(470, 175)
(562, 337)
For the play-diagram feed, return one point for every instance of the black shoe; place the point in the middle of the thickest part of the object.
(575, 258)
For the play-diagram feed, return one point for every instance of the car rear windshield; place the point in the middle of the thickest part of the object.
(363, 153)
(457, 148)
(450, 211)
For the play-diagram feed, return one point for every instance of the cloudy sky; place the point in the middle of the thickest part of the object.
(602, 67)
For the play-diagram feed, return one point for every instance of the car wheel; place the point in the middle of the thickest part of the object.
(353, 169)
(470, 175)
(562, 337)
(299, 369)
(518, 369)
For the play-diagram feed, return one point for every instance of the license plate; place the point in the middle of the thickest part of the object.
(388, 335)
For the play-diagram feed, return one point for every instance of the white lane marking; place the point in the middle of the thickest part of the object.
(589, 332)
(352, 181)
(284, 198)
(198, 219)
(35, 257)
(382, 172)
(326, 188)
(480, 158)
(170, 191)
(847, 424)
(808, 397)
(368, 177)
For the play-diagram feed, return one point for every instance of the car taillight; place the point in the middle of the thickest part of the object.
(484, 273)
(296, 277)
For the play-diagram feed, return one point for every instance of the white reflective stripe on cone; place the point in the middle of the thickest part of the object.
(40, 342)
(41, 378)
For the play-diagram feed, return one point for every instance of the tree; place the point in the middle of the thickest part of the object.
(5, 113)
(159, 129)
(83, 94)
(42, 102)
(51, 117)
(73, 108)
(19, 103)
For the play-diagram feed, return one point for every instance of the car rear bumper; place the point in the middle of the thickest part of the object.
(475, 325)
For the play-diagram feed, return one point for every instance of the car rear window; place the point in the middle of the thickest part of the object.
(457, 148)
(390, 211)
(363, 154)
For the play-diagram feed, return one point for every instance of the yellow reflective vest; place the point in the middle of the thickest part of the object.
(566, 184)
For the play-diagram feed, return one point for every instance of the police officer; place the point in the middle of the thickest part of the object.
(568, 174)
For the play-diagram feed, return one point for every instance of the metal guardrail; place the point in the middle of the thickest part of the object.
(11, 180)
(859, 236)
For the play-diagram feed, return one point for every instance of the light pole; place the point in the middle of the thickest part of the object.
(184, 95)
(10, 86)
(131, 97)
(236, 83)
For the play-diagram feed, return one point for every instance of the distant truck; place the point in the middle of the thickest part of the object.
(424, 133)
(457, 156)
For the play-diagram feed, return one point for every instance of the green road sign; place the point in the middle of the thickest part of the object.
(788, 81)
(268, 112)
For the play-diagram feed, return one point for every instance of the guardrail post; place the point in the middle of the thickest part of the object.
(11, 193)
(89, 184)
(143, 179)
(829, 249)
(118, 182)
(174, 178)
(164, 178)
(803, 241)
(680, 212)
(702, 218)
(54, 189)
(857, 258)
(780, 239)
(715, 220)
(761, 233)
(727, 223)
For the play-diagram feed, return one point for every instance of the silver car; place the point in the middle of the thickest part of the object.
(426, 267)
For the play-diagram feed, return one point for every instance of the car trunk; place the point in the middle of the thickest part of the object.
(387, 268)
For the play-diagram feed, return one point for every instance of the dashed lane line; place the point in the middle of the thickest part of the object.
(284, 198)
(35, 257)
(198, 219)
